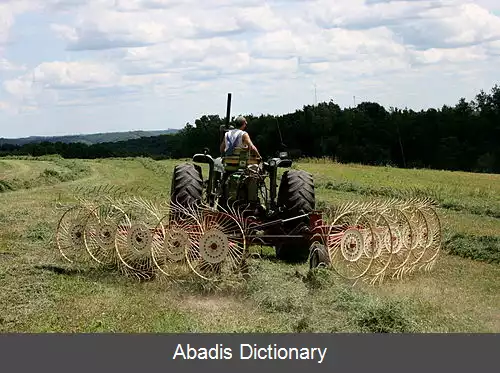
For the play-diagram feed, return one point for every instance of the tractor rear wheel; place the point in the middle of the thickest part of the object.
(296, 192)
(187, 184)
(296, 196)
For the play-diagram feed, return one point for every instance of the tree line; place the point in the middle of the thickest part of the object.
(461, 137)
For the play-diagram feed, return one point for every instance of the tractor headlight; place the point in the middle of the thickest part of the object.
(272, 163)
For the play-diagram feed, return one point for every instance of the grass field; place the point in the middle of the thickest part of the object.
(461, 294)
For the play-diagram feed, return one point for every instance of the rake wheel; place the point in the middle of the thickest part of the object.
(434, 237)
(381, 250)
(220, 251)
(70, 233)
(176, 243)
(352, 244)
(349, 236)
(169, 249)
(403, 229)
(135, 237)
(420, 229)
(100, 233)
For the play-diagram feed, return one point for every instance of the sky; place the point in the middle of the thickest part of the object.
(87, 66)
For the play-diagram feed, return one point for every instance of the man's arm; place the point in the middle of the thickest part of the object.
(223, 146)
(249, 143)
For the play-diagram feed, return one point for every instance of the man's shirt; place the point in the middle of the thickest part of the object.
(233, 139)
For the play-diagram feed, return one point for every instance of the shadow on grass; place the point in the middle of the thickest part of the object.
(58, 270)
(104, 274)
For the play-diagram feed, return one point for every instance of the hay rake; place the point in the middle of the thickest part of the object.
(209, 224)
(169, 240)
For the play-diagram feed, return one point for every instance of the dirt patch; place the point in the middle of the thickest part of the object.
(210, 303)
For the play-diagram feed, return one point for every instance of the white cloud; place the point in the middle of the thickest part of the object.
(178, 55)
(4, 105)
(8, 66)
(270, 53)
(104, 29)
(436, 55)
(466, 24)
(75, 75)
(6, 22)
(64, 83)
(140, 23)
(275, 44)
(259, 18)
(138, 5)
(355, 14)
(493, 48)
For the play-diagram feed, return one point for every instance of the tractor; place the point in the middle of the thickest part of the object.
(284, 217)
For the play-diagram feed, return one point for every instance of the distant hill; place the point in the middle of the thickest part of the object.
(90, 139)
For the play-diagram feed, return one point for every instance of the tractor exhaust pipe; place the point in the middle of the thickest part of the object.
(228, 110)
(225, 127)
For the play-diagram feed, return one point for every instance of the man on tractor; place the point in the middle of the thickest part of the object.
(237, 138)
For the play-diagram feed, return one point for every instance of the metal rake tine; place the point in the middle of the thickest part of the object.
(114, 191)
(103, 188)
(113, 188)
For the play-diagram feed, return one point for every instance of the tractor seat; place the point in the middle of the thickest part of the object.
(240, 159)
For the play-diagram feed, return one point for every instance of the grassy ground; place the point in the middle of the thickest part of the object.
(27, 173)
(460, 295)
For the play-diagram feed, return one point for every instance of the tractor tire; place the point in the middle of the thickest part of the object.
(296, 193)
(296, 196)
(187, 184)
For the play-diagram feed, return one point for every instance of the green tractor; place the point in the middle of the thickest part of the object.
(283, 217)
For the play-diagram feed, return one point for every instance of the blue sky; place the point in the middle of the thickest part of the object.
(77, 66)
